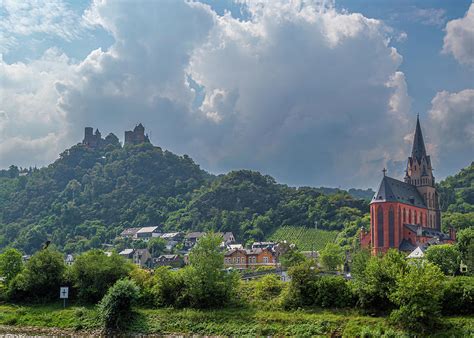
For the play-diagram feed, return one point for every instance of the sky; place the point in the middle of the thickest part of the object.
(312, 92)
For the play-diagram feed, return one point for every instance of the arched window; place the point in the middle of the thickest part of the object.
(404, 215)
(372, 229)
(380, 241)
(415, 220)
(409, 216)
(391, 228)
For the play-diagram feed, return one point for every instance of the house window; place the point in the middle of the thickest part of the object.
(238, 260)
(265, 260)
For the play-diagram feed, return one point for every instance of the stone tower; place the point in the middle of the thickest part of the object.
(419, 173)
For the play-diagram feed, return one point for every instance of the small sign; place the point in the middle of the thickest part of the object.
(64, 292)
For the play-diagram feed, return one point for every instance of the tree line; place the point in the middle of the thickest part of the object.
(413, 294)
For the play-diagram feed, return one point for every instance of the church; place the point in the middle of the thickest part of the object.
(406, 215)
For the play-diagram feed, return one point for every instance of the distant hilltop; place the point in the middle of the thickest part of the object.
(132, 137)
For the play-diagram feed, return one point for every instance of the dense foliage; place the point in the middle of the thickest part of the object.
(88, 196)
(115, 309)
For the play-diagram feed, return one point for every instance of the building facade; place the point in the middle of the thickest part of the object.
(406, 214)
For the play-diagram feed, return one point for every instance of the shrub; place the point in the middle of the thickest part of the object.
(418, 294)
(94, 272)
(333, 292)
(169, 288)
(458, 296)
(145, 282)
(115, 309)
(41, 278)
(379, 280)
(302, 290)
(268, 287)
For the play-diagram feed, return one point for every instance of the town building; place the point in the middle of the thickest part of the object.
(174, 261)
(406, 214)
(129, 233)
(243, 259)
(146, 233)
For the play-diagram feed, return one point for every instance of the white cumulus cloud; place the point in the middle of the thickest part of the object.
(459, 38)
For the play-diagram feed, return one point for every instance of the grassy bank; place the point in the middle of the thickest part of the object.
(219, 322)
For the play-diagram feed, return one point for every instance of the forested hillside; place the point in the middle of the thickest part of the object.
(457, 199)
(88, 196)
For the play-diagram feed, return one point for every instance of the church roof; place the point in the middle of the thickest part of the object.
(418, 151)
(392, 190)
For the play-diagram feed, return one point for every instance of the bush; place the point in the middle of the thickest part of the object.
(333, 292)
(268, 287)
(458, 298)
(418, 294)
(145, 282)
(11, 264)
(169, 288)
(302, 290)
(94, 272)
(379, 280)
(115, 309)
(41, 278)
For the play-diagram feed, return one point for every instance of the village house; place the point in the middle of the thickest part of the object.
(249, 258)
(146, 233)
(129, 233)
(174, 261)
(140, 257)
(191, 239)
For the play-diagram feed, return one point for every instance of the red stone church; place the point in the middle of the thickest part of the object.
(406, 215)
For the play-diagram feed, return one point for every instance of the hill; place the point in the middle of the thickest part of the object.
(88, 196)
(306, 239)
(457, 199)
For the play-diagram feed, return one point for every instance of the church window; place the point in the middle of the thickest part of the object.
(391, 227)
(409, 216)
(380, 239)
(404, 215)
(415, 220)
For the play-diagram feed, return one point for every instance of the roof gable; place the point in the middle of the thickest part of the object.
(392, 190)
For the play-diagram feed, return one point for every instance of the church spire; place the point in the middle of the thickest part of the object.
(418, 151)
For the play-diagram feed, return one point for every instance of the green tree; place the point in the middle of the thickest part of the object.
(445, 256)
(208, 284)
(41, 278)
(115, 308)
(156, 246)
(379, 280)
(332, 256)
(418, 294)
(303, 289)
(291, 257)
(359, 263)
(94, 272)
(11, 264)
(465, 243)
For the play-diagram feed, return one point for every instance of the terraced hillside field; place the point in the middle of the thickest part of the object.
(306, 239)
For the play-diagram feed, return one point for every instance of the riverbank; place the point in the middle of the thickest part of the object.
(75, 320)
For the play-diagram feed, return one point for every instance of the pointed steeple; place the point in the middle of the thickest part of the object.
(418, 151)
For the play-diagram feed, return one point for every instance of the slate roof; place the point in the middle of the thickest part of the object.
(392, 190)
(428, 232)
(418, 151)
(406, 246)
(195, 235)
(126, 252)
(129, 231)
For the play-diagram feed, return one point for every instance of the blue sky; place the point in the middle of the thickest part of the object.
(310, 92)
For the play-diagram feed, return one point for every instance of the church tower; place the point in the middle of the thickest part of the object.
(420, 174)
